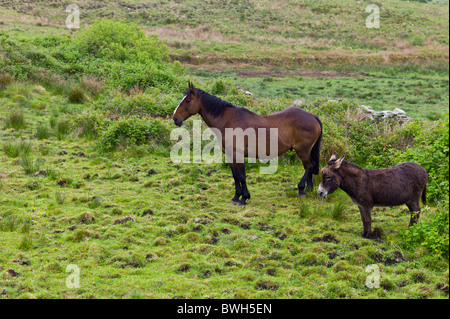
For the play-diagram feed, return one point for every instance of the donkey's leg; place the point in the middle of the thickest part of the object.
(414, 208)
(237, 185)
(366, 218)
(240, 172)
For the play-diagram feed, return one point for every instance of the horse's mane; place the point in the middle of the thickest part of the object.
(212, 104)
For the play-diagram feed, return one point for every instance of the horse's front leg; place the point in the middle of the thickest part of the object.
(240, 179)
(237, 185)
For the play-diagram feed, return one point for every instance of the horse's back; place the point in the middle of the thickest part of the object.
(295, 117)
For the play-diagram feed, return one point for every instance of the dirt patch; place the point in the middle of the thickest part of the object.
(184, 268)
(266, 285)
(397, 257)
(328, 238)
(124, 220)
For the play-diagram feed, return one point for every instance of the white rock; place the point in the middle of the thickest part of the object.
(398, 111)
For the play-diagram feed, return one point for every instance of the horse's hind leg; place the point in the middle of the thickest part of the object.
(306, 179)
(237, 185)
(240, 171)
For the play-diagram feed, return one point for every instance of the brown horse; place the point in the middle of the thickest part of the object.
(405, 183)
(296, 128)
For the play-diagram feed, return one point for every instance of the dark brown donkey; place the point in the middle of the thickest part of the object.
(404, 183)
(297, 129)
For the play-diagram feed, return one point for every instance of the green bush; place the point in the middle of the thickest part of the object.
(113, 40)
(128, 75)
(152, 102)
(134, 131)
(431, 234)
(89, 124)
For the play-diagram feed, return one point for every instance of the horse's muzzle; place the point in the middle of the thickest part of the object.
(177, 122)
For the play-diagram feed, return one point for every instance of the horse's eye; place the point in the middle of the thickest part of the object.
(328, 178)
(188, 101)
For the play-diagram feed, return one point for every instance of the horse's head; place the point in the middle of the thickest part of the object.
(188, 106)
(331, 180)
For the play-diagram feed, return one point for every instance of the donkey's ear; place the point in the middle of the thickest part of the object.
(339, 162)
(333, 157)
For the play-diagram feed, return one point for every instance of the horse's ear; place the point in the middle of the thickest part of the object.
(339, 162)
(192, 88)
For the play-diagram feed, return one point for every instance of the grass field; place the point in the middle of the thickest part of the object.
(86, 178)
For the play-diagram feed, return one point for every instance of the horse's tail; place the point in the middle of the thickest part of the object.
(424, 195)
(315, 151)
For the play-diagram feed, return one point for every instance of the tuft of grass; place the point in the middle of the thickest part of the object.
(339, 209)
(30, 164)
(8, 223)
(53, 120)
(77, 95)
(62, 129)
(26, 243)
(60, 198)
(304, 209)
(42, 132)
(5, 79)
(14, 149)
(15, 119)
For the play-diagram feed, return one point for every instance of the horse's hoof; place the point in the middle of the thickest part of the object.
(233, 202)
(301, 196)
(241, 203)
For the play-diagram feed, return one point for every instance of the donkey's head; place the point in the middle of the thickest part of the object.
(331, 180)
(189, 105)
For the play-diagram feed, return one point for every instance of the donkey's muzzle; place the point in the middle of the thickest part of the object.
(322, 192)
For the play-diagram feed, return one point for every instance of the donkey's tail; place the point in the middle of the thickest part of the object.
(315, 151)
(424, 195)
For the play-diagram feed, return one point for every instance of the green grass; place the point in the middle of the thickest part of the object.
(86, 179)
(418, 96)
(142, 227)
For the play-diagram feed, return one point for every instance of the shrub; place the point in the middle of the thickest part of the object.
(89, 124)
(92, 85)
(152, 101)
(113, 40)
(128, 75)
(133, 131)
(431, 234)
